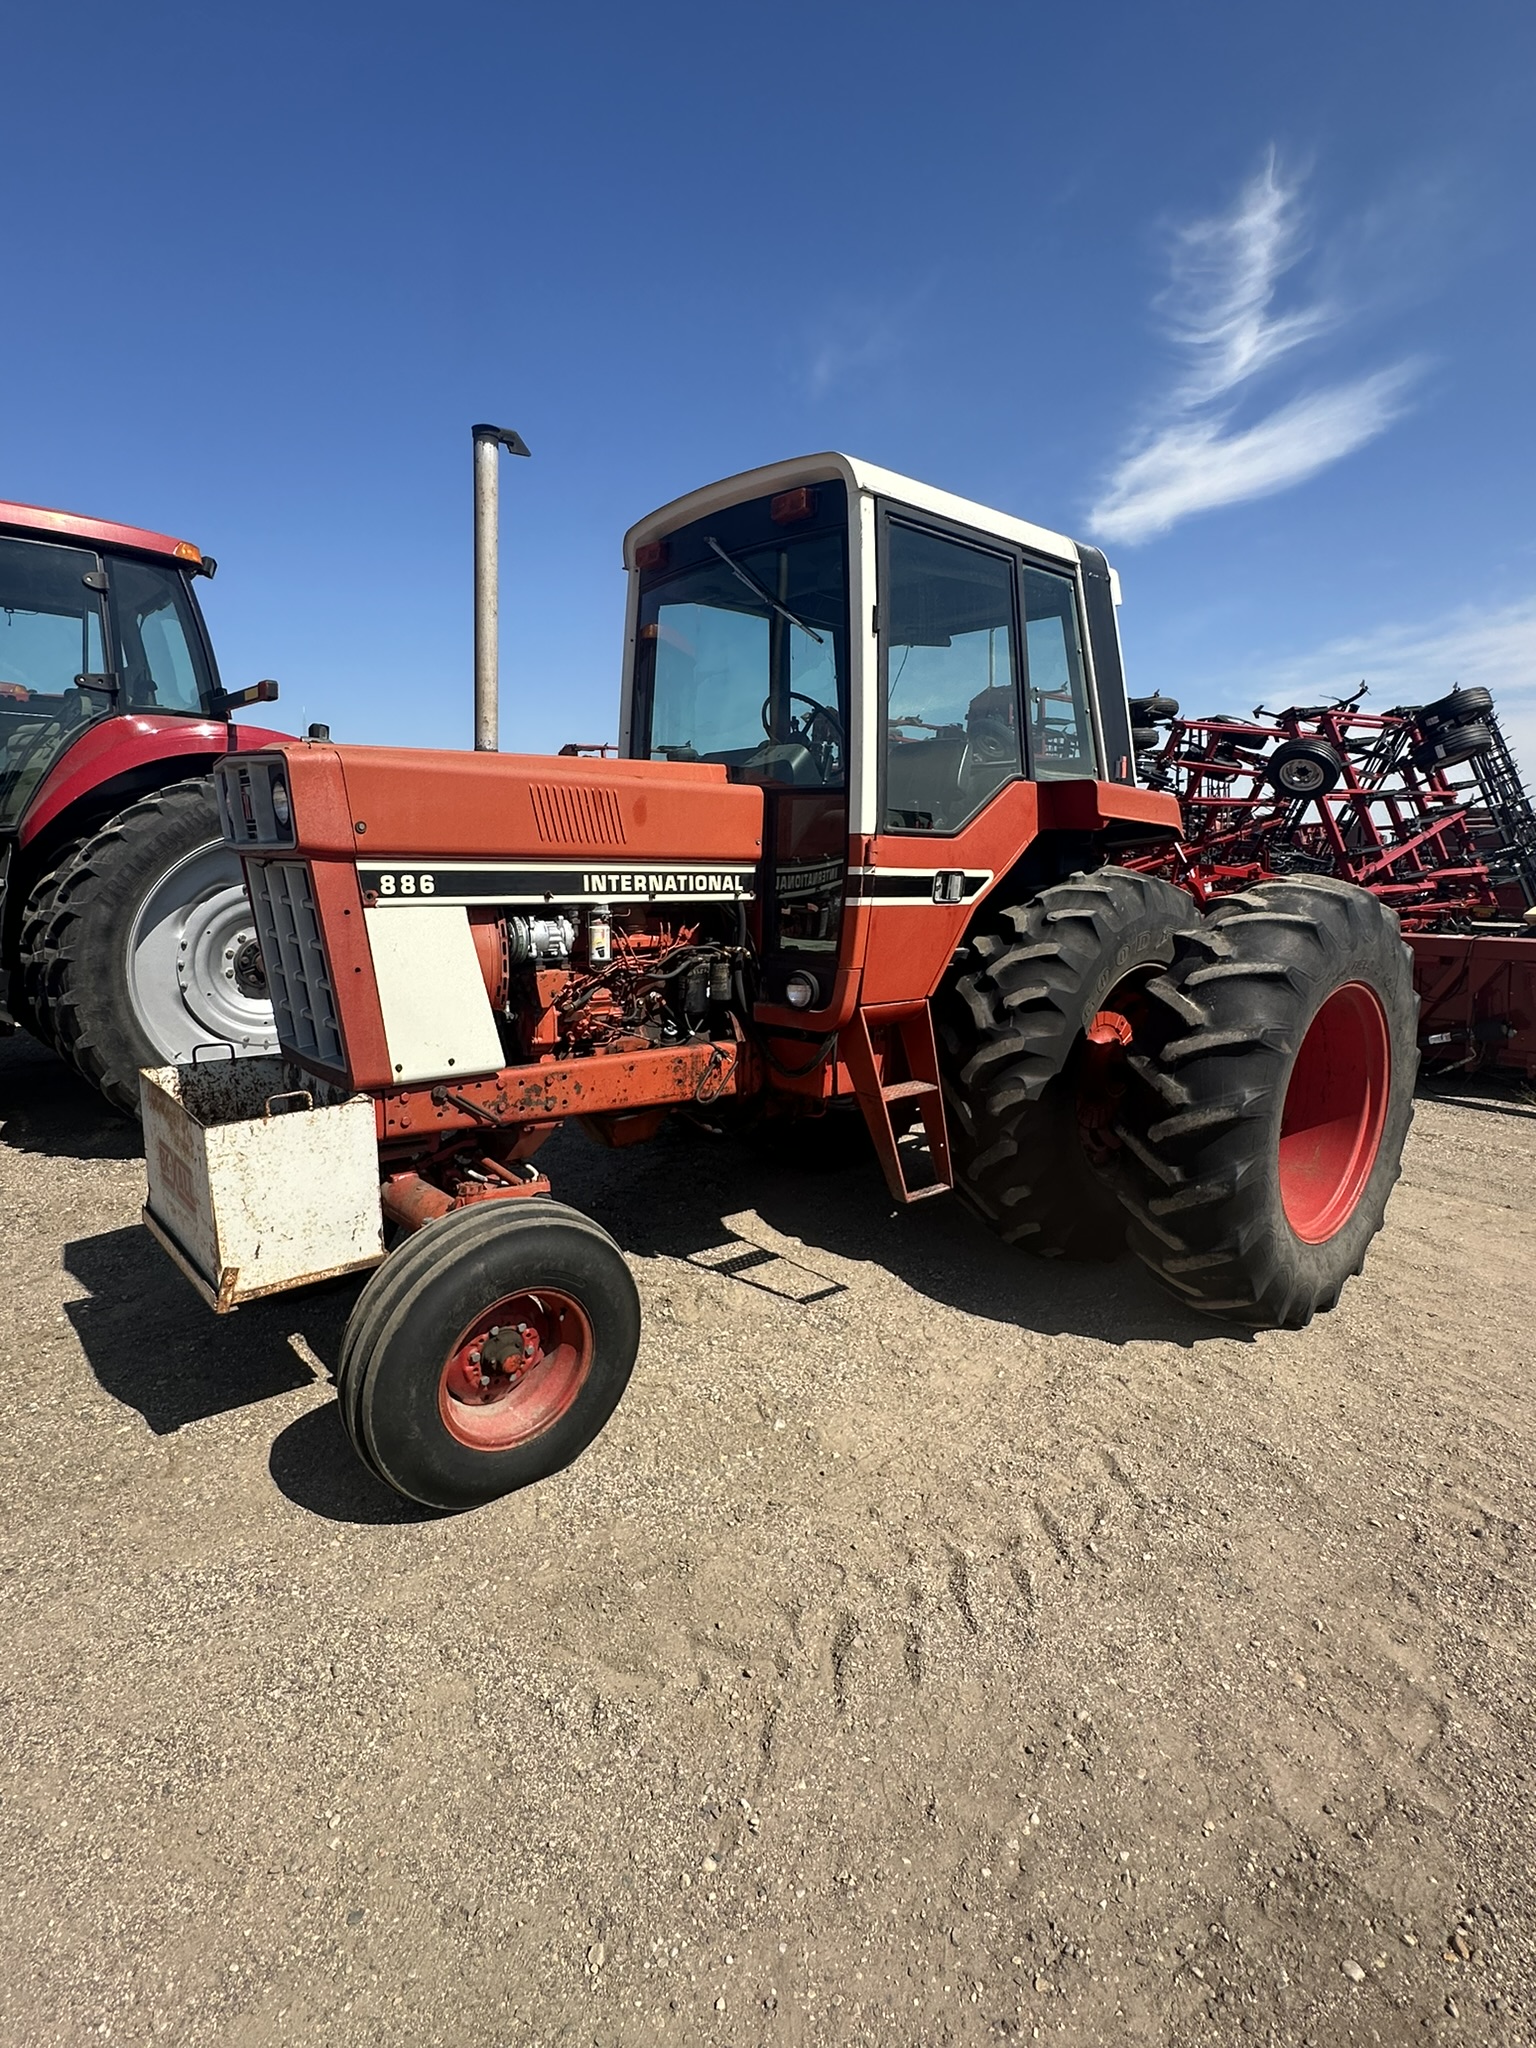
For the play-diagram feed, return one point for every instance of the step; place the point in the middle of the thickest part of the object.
(904, 1091)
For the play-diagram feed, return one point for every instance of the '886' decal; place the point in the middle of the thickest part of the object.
(406, 884)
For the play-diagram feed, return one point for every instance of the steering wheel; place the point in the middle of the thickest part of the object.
(799, 728)
(821, 731)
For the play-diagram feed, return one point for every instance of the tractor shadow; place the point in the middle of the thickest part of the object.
(46, 1108)
(1496, 1094)
(156, 1348)
(315, 1467)
(669, 1199)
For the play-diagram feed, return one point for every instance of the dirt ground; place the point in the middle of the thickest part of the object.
(938, 1646)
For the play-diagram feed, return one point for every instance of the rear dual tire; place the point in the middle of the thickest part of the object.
(1011, 1024)
(1261, 1107)
(1274, 1093)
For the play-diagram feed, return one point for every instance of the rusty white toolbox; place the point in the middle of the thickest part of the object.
(255, 1185)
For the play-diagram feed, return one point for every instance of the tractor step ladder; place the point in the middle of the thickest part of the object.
(891, 1054)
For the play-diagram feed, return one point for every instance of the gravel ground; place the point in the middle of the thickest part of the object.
(937, 1647)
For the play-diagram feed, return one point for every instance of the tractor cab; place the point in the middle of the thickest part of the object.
(899, 669)
(96, 620)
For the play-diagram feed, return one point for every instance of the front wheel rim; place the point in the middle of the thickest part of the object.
(516, 1371)
(1335, 1112)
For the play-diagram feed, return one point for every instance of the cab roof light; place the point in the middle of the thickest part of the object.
(651, 555)
(200, 564)
(790, 506)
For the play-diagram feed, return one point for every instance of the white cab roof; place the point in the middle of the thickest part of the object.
(858, 476)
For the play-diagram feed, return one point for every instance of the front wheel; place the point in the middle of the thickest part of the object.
(488, 1352)
(1275, 1090)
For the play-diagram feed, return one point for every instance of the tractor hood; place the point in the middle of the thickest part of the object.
(392, 807)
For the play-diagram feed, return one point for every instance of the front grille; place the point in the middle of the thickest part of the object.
(247, 810)
(568, 815)
(298, 974)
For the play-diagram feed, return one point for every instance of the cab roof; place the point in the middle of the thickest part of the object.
(107, 533)
(857, 476)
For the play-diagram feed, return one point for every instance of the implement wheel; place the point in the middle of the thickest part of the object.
(1039, 995)
(1275, 1089)
(488, 1351)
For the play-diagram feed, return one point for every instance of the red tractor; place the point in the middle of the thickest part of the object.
(125, 935)
(862, 851)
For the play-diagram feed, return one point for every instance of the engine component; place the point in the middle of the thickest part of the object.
(539, 938)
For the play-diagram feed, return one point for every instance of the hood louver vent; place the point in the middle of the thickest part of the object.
(565, 816)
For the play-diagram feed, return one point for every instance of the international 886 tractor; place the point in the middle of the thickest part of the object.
(860, 850)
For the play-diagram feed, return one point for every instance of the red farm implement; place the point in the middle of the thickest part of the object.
(1421, 805)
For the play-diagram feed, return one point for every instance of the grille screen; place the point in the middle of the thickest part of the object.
(297, 974)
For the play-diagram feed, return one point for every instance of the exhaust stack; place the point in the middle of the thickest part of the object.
(487, 440)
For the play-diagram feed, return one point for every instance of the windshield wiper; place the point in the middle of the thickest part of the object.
(757, 590)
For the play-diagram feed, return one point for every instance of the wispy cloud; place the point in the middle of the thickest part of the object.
(1220, 313)
(855, 336)
(857, 348)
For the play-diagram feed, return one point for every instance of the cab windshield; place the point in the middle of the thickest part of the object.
(82, 635)
(743, 639)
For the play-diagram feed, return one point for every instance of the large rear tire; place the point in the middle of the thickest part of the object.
(151, 951)
(1017, 1072)
(1275, 1093)
(488, 1352)
(34, 1008)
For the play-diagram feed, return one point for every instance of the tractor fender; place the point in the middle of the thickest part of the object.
(117, 759)
(111, 765)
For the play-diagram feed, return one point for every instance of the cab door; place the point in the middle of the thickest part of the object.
(982, 695)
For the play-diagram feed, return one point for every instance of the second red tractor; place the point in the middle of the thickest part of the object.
(125, 934)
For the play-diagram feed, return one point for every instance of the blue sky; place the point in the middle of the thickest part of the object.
(1246, 294)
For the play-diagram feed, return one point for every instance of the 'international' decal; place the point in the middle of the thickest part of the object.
(414, 881)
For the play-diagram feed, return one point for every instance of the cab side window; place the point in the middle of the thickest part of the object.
(951, 691)
(1061, 738)
(159, 668)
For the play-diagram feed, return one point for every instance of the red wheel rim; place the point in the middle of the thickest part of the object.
(516, 1370)
(1335, 1109)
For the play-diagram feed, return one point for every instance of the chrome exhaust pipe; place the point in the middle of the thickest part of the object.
(487, 440)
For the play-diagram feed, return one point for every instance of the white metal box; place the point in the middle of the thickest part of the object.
(252, 1188)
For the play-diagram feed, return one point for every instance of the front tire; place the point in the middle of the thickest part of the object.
(488, 1352)
(1276, 1090)
(151, 950)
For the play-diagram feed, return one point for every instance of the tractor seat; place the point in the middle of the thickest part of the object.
(923, 784)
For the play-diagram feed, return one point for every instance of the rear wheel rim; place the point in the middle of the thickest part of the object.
(1334, 1114)
(189, 959)
(516, 1370)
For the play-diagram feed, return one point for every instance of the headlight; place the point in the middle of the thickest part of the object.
(282, 810)
(800, 991)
